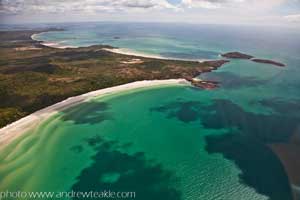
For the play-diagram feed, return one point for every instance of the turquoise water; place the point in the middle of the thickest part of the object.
(173, 142)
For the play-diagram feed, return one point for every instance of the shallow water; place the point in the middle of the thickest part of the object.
(175, 142)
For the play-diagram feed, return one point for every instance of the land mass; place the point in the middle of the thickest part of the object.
(238, 55)
(268, 62)
(34, 76)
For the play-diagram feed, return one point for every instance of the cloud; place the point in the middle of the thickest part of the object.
(237, 4)
(293, 18)
(58, 6)
(200, 4)
(61, 6)
(198, 11)
(209, 4)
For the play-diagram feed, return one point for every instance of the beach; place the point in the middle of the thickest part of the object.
(16, 129)
(132, 53)
(56, 45)
(129, 52)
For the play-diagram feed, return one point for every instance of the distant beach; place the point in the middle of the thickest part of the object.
(123, 51)
(51, 44)
(133, 53)
(129, 52)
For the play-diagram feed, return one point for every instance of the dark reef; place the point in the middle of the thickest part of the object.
(246, 143)
(113, 170)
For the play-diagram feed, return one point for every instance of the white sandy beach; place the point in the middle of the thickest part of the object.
(129, 52)
(16, 129)
(52, 44)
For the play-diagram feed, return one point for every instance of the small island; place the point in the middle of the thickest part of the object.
(271, 62)
(236, 55)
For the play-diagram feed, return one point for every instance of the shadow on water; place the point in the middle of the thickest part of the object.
(113, 170)
(88, 113)
(231, 81)
(246, 146)
(225, 114)
(282, 107)
(266, 128)
(185, 111)
(260, 167)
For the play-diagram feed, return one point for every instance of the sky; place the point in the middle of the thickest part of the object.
(258, 12)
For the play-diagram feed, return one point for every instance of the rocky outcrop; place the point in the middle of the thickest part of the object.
(271, 62)
(236, 55)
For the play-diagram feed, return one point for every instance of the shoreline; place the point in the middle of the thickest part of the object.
(20, 127)
(117, 50)
(50, 44)
(121, 51)
(129, 52)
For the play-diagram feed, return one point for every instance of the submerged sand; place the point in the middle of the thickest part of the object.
(16, 129)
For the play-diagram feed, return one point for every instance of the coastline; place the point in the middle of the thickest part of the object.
(50, 44)
(18, 128)
(114, 50)
(122, 51)
(129, 52)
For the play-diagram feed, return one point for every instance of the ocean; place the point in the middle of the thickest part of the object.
(175, 142)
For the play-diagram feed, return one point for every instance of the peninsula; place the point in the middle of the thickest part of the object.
(34, 76)
(236, 55)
